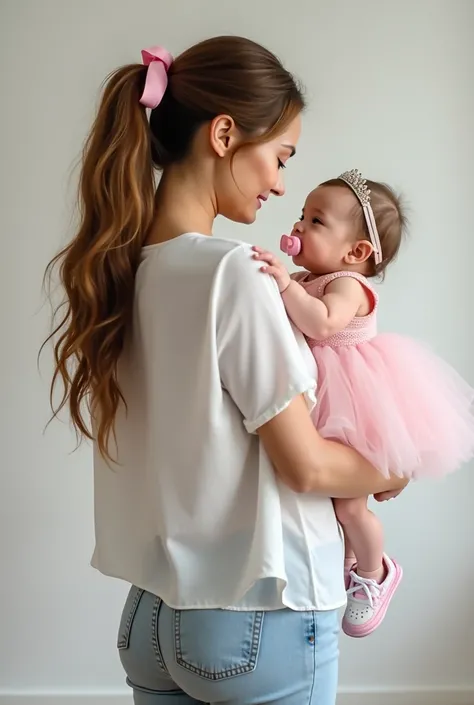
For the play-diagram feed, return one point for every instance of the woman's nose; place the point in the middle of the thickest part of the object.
(279, 189)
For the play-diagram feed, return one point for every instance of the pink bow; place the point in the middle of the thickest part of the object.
(158, 61)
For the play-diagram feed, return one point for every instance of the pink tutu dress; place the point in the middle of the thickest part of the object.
(389, 397)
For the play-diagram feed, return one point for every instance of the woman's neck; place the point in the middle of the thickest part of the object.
(184, 203)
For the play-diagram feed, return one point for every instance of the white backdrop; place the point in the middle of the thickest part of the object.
(390, 91)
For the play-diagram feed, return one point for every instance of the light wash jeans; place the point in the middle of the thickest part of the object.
(174, 657)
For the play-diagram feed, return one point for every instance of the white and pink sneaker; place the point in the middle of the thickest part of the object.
(368, 601)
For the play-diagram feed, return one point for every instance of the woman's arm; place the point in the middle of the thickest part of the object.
(308, 463)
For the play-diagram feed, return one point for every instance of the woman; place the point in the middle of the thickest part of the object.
(211, 484)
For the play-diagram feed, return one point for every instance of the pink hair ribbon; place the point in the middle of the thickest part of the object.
(158, 61)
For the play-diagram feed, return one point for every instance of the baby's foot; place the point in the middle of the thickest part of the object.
(368, 601)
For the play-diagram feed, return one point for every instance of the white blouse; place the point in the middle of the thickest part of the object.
(193, 511)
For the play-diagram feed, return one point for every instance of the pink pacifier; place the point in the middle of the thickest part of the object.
(290, 244)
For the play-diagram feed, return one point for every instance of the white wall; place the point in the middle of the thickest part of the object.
(390, 86)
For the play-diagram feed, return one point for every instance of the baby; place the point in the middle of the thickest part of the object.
(400, 406)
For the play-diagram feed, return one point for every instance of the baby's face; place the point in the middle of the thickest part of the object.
(327, 229)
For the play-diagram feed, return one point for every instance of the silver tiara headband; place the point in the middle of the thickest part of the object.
(358, 184)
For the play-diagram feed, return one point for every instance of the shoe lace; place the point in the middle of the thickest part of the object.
(370, 589)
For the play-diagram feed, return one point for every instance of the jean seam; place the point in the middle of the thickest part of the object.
(316, 636)
(124, 638)
(226, 673)
(154, 632)
(319, 631)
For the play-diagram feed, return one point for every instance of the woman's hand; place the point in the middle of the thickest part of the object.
(391, 494)
(273, 267)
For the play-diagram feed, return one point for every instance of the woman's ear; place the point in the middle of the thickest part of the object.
(359, 252)
(223, 135)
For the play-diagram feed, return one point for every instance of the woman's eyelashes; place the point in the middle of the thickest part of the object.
(281, 165)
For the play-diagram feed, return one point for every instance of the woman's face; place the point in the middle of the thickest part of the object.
(247, 179)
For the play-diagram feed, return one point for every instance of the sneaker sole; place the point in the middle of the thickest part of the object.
(358, 632)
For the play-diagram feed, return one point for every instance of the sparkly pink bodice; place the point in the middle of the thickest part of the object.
(360, 329)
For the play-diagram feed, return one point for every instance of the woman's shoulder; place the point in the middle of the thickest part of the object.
(239, 275)
(235, 253)
(202, 258)
(226, 256)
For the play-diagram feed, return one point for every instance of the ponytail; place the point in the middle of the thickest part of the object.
(97, 269)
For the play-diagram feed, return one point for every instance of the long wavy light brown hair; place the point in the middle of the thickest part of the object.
(224, 75)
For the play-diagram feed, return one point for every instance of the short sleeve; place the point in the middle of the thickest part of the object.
(260, 361)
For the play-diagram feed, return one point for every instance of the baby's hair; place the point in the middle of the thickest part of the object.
(390, 217)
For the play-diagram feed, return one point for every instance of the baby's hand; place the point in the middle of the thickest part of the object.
(274, 267)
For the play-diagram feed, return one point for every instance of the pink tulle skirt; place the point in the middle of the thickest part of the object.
(403, 408)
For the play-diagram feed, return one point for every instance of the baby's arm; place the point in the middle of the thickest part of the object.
(344, 299)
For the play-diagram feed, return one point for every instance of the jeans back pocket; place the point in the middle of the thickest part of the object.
(217, 644)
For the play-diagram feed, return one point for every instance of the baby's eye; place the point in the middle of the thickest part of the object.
(315, 221)
(301, 217)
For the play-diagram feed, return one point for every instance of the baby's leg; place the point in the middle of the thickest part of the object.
(376, 578)
(364, 537)
(350, 559)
